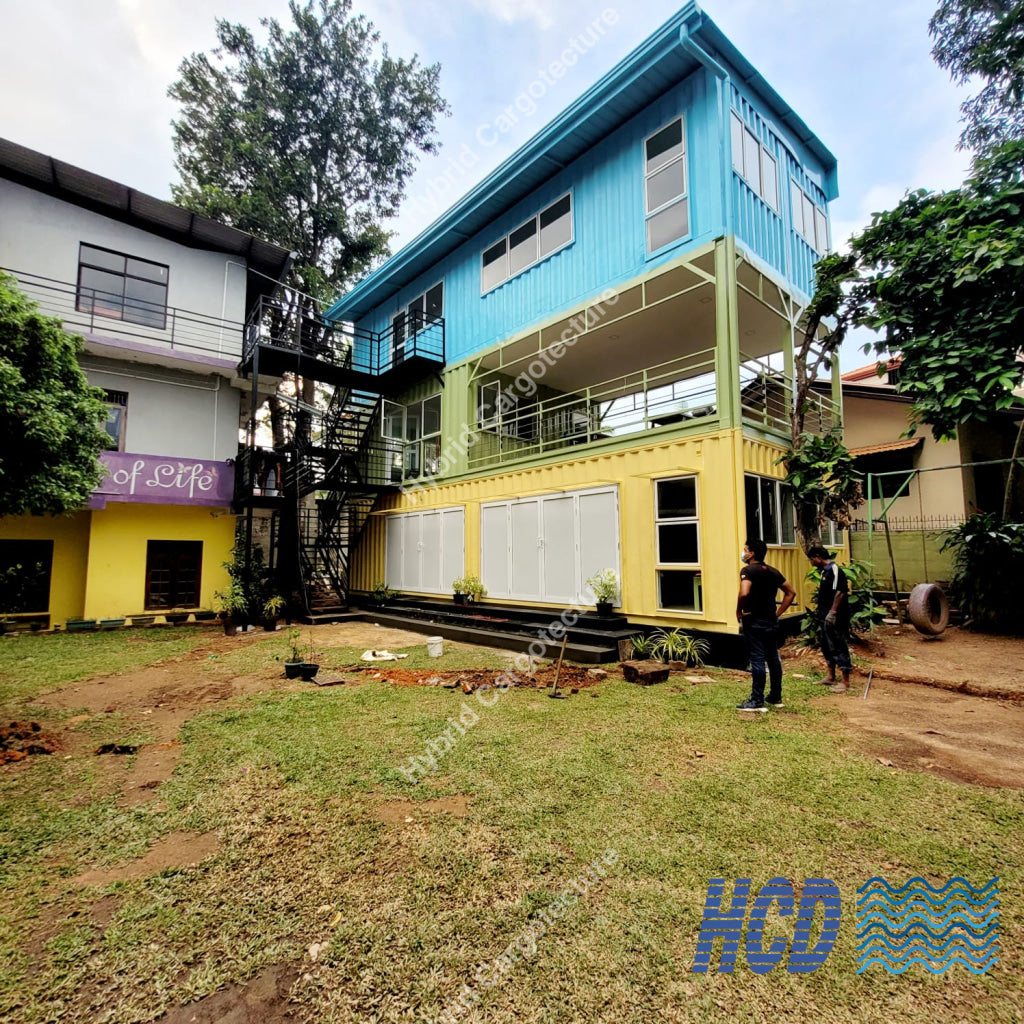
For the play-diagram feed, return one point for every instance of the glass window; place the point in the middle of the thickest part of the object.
(737, 143)
(434, 302)
(122, 287)
(771, 514)
(487, 406)
(667, 226)
(680, 589)
(522, 247)
(769, 179)
(752, 160)
(676, 521)
(173, 572)
(556, 226)
(821, 229)
(117, 414)
(665, 146)
(540, 236)
(665, 200)
(495, 265)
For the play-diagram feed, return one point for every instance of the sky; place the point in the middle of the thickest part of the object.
(86, 81)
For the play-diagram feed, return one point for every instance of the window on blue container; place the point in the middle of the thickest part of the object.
(534, 240)
(809, 220)
(666, 205)
(754, 163)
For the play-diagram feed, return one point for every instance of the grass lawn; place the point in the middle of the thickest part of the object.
(408, 888)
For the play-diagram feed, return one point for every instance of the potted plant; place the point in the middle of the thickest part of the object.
(459, 590)
(604, 585)
(234, 607)
(272, 608)
(643, 646)
(473, 587)
(674, 645)
(382, 593)
(301, 664)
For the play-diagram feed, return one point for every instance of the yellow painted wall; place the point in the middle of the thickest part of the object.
(716, 459)
(116, 577)
(760, 457)
(70, 536)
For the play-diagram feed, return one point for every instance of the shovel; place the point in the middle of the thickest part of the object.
(558, 671)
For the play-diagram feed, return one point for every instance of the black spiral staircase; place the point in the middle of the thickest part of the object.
(334, 464)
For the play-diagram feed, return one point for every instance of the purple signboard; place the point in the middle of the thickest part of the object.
(157, 479)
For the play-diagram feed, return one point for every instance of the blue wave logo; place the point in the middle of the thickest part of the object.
(917, 924)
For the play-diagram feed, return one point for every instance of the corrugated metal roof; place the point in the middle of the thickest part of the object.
(93, 191)
(632, 85)
(891, 446)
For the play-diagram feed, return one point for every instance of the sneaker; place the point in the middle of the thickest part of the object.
(749, 705)
(775, 704)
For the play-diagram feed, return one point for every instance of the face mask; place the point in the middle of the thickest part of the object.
(744, 557)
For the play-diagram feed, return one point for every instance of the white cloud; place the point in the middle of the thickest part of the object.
(509, 11)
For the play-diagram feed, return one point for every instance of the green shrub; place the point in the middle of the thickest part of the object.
(988, 561)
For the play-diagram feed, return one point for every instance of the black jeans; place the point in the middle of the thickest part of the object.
(762, 638)
(834, 642)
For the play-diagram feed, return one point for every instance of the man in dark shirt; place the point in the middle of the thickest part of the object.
(833, 618)
(759, 623)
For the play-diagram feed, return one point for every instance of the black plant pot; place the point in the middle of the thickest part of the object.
(604, 607)
(459, 598)
(307, 670)
(293, 669)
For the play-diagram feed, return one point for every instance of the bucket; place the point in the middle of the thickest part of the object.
(435, 646)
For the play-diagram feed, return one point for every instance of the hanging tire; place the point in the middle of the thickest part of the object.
(928, 609)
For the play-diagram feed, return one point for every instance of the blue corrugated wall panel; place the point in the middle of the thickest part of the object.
(607, 186)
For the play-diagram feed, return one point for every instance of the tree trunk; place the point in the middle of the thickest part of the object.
(1011, 478)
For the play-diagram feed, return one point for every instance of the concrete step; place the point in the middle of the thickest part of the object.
(593, 654)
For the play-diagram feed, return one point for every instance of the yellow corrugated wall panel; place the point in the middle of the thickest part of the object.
(716, 460)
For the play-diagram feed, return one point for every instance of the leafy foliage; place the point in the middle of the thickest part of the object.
(942, 275)
(865, 612)
(643, 646)
(604, 585)
(307, 140)
(250, 588)
(50, 418)
(825, 484)
(984, 39)
(675, 645)
(988, 563)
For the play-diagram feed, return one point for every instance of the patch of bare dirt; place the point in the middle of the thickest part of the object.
(401, 811)
(53, 919)
(19, 740)
(922, 728)
(571, 677)
(178, 850)
(262, 1000)
(153, 765)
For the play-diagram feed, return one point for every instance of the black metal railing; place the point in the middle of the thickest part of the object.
(90, 311)
(280, 325)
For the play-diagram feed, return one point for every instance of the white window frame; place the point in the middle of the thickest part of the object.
(688, 567)
(739, 160)
(402, 444)
(779, 540)
(683, 199)
(819, 245)
(540, 256)
(403, 311)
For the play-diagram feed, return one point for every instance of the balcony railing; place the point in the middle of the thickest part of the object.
(766, 398)
(183, 330)
(681, 391)
(278, 325)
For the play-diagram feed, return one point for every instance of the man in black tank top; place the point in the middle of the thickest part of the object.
(759, 623)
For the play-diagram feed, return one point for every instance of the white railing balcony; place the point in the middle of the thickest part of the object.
(680, 393)
(115, 319)
(766, 398)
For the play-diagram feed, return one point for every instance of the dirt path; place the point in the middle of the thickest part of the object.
(922, 728)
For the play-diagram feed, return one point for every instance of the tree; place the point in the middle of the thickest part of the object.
(50, 418)
(819, 468)
(942, 276)
(984, 39)
(307, 140)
